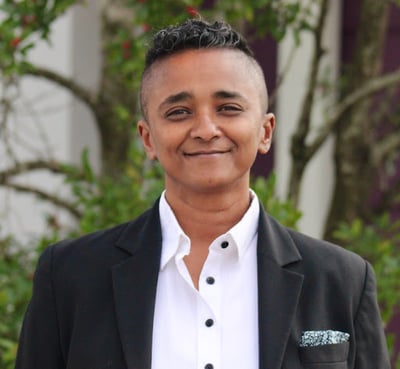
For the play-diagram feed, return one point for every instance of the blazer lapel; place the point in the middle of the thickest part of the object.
(279, 290)
(134, 283)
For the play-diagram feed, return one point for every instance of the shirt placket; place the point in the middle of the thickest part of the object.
(209, 308)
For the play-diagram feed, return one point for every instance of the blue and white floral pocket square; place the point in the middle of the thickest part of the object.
(320, 338)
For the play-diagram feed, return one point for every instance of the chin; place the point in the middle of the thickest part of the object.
(212, 185)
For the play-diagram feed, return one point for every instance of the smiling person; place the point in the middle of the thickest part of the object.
(204, 279)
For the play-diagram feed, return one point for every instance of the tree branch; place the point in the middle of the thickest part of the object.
(305, 116)
(385, 147)
(46, 196)
(298, 147)
(4, 116)
(52, 166)
(368, 89)
(68, 83)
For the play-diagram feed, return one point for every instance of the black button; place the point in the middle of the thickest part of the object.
(210, 280)
(209, 323)
(224, 244)
(209, 366)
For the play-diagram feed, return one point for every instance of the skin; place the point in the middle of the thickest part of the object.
(205, 123)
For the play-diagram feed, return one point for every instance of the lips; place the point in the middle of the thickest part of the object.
(206, 152)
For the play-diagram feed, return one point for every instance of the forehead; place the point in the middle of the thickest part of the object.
(203, 69)
(196, 57)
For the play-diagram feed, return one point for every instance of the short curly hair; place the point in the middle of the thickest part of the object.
(195, 34)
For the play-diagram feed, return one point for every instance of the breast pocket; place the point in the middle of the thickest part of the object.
(325, 357)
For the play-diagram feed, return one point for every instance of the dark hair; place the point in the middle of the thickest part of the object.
(195, 34)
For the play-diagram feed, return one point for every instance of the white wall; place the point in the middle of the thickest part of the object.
(86, 64)
(318, 181)
(48, 123)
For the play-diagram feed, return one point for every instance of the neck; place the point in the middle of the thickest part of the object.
(207, 215)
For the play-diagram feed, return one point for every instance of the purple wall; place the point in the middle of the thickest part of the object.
(266, 53)
(351, 17)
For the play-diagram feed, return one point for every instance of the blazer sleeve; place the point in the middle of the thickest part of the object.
(371, 348)
(39, 344)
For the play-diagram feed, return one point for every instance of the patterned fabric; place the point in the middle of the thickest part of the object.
(319, 338)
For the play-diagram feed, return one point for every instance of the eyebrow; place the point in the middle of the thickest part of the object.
(223, 94)
(185, 96)
(176, 98)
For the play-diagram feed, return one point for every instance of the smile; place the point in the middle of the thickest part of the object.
(207, 153)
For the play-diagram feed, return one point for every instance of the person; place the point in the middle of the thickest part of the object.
(204, 279)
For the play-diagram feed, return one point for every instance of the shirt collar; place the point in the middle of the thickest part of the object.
(175, 241)
(173, 236)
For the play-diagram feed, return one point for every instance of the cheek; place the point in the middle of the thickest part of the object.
(252, 137)
(164, 146)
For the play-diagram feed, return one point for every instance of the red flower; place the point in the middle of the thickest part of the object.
(141, 1)
(126, 45)
(146, 27)
(191, 11)
(15, 42)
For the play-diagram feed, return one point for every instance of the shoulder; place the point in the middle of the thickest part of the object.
(324, 252)
(95, 247)
(332, 268)
(309, 249)
(321, 262)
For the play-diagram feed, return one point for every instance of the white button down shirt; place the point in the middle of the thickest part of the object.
(216, 326)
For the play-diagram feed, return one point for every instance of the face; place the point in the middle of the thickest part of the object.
(205, 119)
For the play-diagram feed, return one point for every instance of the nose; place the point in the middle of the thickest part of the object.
(204, 128)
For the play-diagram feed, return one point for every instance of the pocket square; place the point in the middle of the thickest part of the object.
(319, 338)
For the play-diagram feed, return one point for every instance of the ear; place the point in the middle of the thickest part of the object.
(145, 134)
(268, 126)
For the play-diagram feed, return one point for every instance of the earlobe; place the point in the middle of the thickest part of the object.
(267, 131)
(145, 135)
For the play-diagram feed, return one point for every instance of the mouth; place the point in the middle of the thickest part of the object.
(206, 153)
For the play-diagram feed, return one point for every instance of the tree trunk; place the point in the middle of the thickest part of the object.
(117, 89)
(354, 170)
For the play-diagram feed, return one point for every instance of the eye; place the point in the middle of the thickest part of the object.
(177, 113)
(230, 109)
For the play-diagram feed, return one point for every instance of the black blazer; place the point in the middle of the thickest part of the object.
(93, 301)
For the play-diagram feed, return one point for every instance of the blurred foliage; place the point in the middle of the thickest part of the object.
(15, 288)
(107, 201)
(379, 243)
(283, 210)
(17, 265)
(22, 24)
